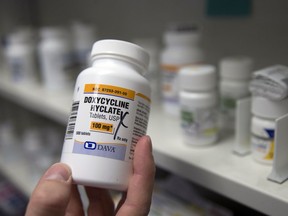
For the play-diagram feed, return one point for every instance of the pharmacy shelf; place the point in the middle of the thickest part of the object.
(214, 167)
(55, 105)
(18, 170)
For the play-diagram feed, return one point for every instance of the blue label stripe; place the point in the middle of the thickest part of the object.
(107, 150)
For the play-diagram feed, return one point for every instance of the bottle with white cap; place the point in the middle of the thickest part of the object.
(182, 48)
(21, 56)
(109, 114)
(265, 112)
(235, 75)
(55, 57)
(152, 47)
(198, 104)
(84, 35)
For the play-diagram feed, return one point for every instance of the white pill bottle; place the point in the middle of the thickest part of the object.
(182, 48)
(109, 114)
(84, 35)
(55, 58)
(235, 75)
(21, 56)
(263, 125)
(198, 104)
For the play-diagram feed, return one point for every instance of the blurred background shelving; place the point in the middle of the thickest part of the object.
(215, 168)
(258, 31)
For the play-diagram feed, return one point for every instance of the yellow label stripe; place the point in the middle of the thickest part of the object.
(143, 96)
(109, 90)
(100, 126)
(170, 68)
(175, 68)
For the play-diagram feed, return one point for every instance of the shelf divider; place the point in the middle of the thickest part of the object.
(279, 172)
(241, 145)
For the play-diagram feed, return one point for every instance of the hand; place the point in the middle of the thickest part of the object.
(56, 195)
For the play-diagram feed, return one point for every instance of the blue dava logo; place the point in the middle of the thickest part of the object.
(90, 145)
(270, 132)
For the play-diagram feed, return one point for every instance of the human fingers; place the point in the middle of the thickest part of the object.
(137, 201)
(75, 206)
(100, 202)
(52, 194)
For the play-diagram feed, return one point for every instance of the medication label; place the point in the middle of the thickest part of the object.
(199, 122)
(263, 148)
(107, 121)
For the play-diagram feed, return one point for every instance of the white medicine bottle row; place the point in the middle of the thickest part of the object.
(57, 52)
(182, 47)
(212, 97)
(199, 108)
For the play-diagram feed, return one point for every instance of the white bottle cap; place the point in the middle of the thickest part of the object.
(15, 37)
(267, 108)
(152, 47)
(84, 32)
(22, 35)
(198, 78)
(236, 67)
(121, 49)
(53, 31)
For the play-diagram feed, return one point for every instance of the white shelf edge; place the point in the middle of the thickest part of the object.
(55, 105)
(214, 167)
(18, 171)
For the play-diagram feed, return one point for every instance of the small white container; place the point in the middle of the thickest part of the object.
(198, 104)
(151, 45)
(265, 112)
(55, 57)
(182, 48)
(21, 56)
(235, 75)
(109, 114)
(84, 35)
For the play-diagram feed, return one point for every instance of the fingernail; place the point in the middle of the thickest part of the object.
(58, 172)
(149, 142)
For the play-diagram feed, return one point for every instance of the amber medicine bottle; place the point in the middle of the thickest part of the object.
(109, 114)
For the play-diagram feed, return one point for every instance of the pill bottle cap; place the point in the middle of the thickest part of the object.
(236, 67)
(84, 31)
(122, 49)
(53, 32)
(198, 78)
(266, 108)
(23, 34)
(16, 38)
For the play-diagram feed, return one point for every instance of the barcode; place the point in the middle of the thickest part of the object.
(72, 120)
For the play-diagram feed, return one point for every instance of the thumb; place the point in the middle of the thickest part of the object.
(51, 195)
